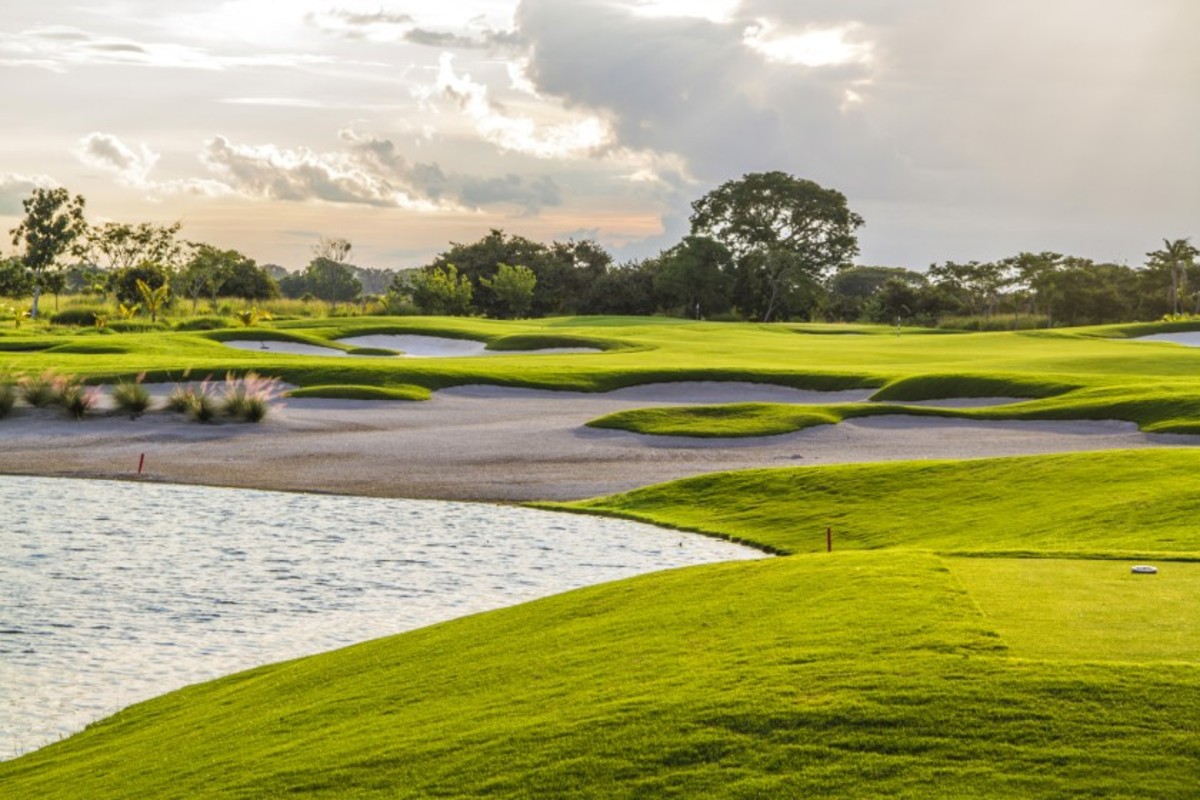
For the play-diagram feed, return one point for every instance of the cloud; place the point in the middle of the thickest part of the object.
(369, 171)
(131, 166)
(691, 87)
(530, 195)
(811, 47)
(15, 187)
(61, 49)
(384, 26)
(297, 174)
(105, 151)
(576, 135)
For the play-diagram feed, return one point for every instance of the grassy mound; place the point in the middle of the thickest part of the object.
(859, 674)
(1122, 503)
(885, 669)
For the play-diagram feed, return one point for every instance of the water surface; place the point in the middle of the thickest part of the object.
(116, 592)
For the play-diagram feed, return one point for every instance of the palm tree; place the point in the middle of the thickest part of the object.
(1177, 255)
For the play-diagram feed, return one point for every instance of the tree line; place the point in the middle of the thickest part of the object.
(768, 246)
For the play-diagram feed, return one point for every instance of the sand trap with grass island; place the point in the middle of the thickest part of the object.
(410, 345)
(507, 444)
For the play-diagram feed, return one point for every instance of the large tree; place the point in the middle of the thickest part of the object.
(695, 276)
(790, 231)
(120, 246)
(513, 286)
(331, 281)
(53, 224)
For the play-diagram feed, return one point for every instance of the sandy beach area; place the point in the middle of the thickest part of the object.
(503, 444)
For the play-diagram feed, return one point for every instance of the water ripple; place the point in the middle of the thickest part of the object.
(116, 592)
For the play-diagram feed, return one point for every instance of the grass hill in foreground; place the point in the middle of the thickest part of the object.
(923, 658)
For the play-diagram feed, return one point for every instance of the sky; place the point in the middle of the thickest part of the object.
(959, 129)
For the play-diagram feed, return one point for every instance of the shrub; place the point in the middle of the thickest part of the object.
(39, 391)
(77, 399)
(136, 325)
(996, 322)
(79, 315)
(248, 399)
(131, 397)
(209, 322)
(8, 398)
(195, 401)
(180, 399)
(201, 405)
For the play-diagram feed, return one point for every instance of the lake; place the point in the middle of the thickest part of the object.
(116, 592)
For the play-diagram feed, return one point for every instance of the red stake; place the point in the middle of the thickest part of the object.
(829, 540)
(141, 463)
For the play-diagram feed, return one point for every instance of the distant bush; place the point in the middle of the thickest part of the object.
(135, 325)
(83, 316)
(8, 398)
(207, 322)
(996, 322)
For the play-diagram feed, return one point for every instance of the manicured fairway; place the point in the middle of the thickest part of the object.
(1087, 610)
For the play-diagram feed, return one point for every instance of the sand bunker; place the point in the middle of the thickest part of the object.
(291, 348)
(418, 346)
(1187, 338)
(493, 443)
(411, 345)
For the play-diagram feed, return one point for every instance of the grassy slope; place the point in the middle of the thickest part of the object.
(860, 674)
(883, 671)
(1117, 503)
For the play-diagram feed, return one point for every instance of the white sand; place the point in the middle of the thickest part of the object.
(412, 346)
(492, 443)
(1188, 338)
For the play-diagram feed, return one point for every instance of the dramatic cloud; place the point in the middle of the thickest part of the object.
(370, 171)
(959, 130)
(580, 135)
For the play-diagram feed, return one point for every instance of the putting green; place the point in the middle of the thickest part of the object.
(1083, 610)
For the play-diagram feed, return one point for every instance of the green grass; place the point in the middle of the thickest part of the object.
(1065, 374)
(975, 633)
(1124, 503)
(889, 668)
(1087, 610)
(860, 674)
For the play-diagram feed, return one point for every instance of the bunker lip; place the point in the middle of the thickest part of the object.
(503, 444)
